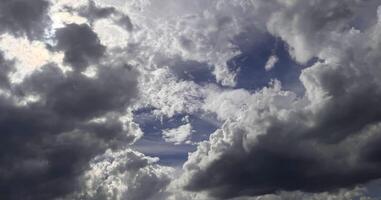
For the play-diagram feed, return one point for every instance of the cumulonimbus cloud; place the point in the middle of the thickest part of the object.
(320, 142)
(67, 128)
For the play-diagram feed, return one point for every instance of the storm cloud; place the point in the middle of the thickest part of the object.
(48, 143)
(24, 17)
(190, 100)
(80, 44)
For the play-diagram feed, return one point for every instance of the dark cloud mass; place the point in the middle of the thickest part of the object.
(24, 17)
(49, 143)
(76, 96)
(5, 68)
(92, 12)
(80, 44)
(282, 161)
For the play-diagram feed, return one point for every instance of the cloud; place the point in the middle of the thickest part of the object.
(80, 45)
(178, 135)
(356, 193)
(314, 143)
(309, 30)
(67, 133)
(24, 17)
(161, 89)
(203, 32)
(124, 174)
(271, 62)
(50, 141)
(27, 55)
(6, 67)
(92, 12)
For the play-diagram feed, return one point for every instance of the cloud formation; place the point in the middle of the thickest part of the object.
(80, 44)
(53, 123)
(69, 124)
(24, 17)
(125, 174)
(313, 143)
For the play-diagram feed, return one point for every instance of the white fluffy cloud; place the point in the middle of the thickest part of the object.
(124, 174)
(28, 55)
(273, 59)
(170, 96)
(178, 135)
(203, 31)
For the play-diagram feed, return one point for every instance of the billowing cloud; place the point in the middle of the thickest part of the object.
(178, 135)
(90, 71)
(203, 31)
(53, 123)
(125, 174)
(313, 143)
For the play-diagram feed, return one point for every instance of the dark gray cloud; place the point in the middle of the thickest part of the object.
(5, 68)
(284, 159)
(125, 22)
(47, 145)
(93, 12)
(349, 112)
(281, 161)
(76, 96)
(24, 17)
(80, 44)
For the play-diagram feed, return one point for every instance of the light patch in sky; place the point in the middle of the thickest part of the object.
(29, 56)
(110, 34)
(114, 3)
(28, 99)
(178, 135)
(60, 4)
(123, 5)
(62, 18)
(90, 72)
(273, 59)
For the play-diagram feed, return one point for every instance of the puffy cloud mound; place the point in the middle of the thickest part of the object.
(178, 135)
(320, 142)
(125, 174)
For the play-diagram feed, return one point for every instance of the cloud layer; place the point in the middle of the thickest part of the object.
(82, 81)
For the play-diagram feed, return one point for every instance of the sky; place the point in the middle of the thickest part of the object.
(190, 100)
